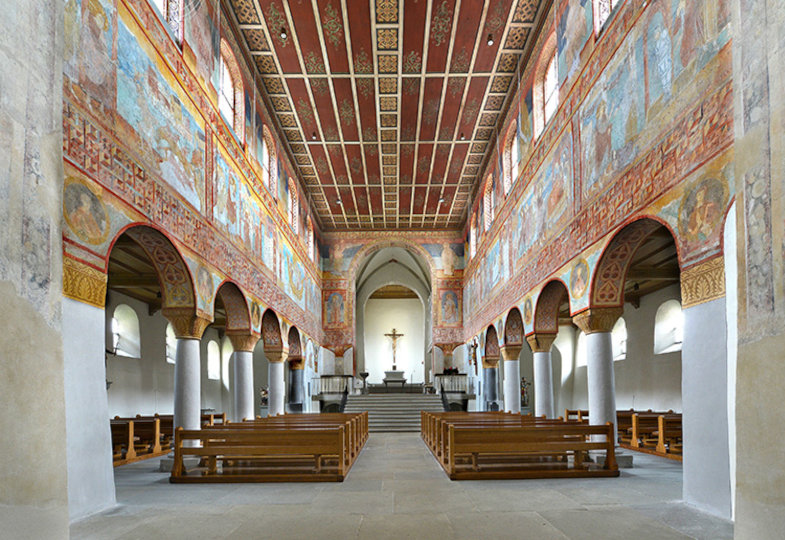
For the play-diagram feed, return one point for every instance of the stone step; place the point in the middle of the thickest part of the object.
(393, 412)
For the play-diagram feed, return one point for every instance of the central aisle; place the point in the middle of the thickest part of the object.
(397, 490)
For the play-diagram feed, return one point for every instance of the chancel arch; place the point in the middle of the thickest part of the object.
(393, 289)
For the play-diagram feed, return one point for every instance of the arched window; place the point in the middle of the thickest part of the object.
(619, 340)
(311, 250)
(226, 356)
(668, 327)
(213, 361)
(546, 86)
(270, 163)
(230, 90)
(294, 208)
(473, 237)
(602, 12)
(487, 202)
(126, 340)
(580, 351)
(171, 344)
(171, 13)
(511, 157)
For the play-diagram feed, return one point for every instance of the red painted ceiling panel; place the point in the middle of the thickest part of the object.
(339, 167)
(331, 20)
(420, 193)
(410, 103)
(448, 193)
(360, 195)
(406, 163)
(471, 108)
(346, 198)
(424, 152)
(307, 37)
(452, 106)
(355, 158)
(414, 17)
(320, 162)
(375, 194)
(366, 100)
(360, 34)
(372, 164)
(440, 163)
(430, 108)
(404, 200)
(498, 10)
(324, 107)
(466, 35)
(346, 111)
(302, 104)
(441, 31)
(275, 16)
(433, 200)
(456, 163)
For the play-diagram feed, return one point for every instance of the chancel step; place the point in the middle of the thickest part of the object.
(394, 412)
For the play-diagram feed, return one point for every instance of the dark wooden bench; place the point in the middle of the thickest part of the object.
(257, 453)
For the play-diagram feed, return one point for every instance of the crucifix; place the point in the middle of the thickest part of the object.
(394, 336)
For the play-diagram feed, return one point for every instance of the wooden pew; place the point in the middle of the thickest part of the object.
(123, 450)
(266, 452)
(578, 415)
(526, 451)
(145, 433)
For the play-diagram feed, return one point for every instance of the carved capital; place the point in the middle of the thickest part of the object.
(595, 320)
(243, 341)
(703, 282)
(276, 354)
(490, 361)
(447, 348)
(186, 323)
(511, 352)
(541, 342)
(296, 362)
(83, 283)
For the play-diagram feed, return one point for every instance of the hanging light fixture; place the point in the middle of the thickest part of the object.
(283, 33)
(313, 136)
(490, 40)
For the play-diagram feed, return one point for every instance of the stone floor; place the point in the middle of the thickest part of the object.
(397, 490)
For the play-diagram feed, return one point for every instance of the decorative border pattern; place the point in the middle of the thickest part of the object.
(703, 282)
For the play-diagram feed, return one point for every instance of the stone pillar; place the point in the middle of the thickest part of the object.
(512, 378)
(490, 380)
(543, 374)
(188, 328)
(242, 383)
(296, 384)
(277, 392)
(597, 324)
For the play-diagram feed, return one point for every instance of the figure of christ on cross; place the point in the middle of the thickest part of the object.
(394, 336)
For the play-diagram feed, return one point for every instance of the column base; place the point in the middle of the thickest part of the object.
(168, 462)
(623, 458)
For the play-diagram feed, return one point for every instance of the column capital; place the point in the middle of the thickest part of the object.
(296, 362)
(595, 320)
(276, 355)
(511, 352)
(541, 342)
(186, 323)
(447, 348)
(243, 341)
(490, 361)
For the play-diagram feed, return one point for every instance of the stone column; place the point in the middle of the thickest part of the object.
(242, 383)
(543, 374)
(296, 384)
(490, 379)
(512, 378)
(188, 328)
(597, 324)
(277, 393)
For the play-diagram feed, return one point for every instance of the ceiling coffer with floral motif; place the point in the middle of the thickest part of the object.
(393, 101)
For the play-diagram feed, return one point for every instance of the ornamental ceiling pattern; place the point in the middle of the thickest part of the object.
(389, 107)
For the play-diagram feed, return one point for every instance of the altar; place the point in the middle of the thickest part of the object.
(394, 377)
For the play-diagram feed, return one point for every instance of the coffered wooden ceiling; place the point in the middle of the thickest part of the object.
(389, 107)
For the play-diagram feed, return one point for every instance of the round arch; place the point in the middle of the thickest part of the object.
(546, 308)
(238, 316)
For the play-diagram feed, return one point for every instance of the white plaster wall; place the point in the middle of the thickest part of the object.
(326, 362)
(706, 462)
(88, 438)
(563, 365)
(644, 380)
(406, 316)
(731, 317)
(146, 385)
